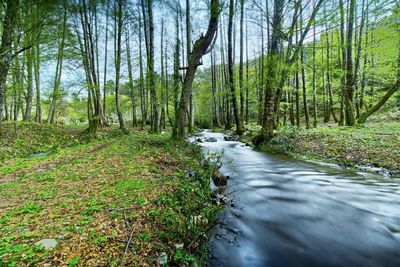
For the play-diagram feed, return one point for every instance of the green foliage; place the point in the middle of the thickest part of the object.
(284, 141)
(30, 254)
(183, 258)
(97, 239)
(373, 144)
(185, 215)
(74, 262)
(145, 236)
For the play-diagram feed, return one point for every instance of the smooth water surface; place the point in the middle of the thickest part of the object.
(284, 212)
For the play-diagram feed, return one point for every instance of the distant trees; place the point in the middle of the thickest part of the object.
(299, 63)
(317, 62)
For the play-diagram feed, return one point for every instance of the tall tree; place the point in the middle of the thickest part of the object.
(349, 89)
(230, 69)
(314, 76)
(188, 49)
(242, 114)
(86, 35)
(130, 77)
(303, 75)
(277, 77)
(6, 54)
(147, 8)
(36, 67)
(343, 62)
(141, 77)
(200, 48)
(59, 67)
(105, 63)
(119, 13)
(177, 81)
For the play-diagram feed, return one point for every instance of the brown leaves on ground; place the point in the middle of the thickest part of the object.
(68, 198)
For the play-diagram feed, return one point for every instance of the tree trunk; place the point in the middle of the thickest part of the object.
(130, 78)
(57, 78)
(177, 81)
(150, 67)
(120, 5)
(241, 61)
(105, 66)
(247, 74)
(272, 75)
(303, 77)
(314, 79)
(348, 94)
(29, 87)
(38, 116)
(230, 70)
(162, 116)
(10, 18)
(358, 58)
(297, 77)
(199, 49)
(188, 49)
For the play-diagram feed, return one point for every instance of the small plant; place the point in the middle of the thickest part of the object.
(284, 141)
(97, 239)
(74, 261)
(145, 236)
(183, 258)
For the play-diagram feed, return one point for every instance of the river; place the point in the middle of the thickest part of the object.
(286, 212)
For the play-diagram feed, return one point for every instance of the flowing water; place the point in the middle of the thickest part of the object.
(285, 212)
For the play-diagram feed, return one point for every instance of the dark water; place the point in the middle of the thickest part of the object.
(286, 212)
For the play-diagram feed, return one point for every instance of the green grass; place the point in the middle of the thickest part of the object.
(91, 197)
(23, 138)
(377, 144)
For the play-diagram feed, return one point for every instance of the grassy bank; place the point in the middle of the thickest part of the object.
(23, 138)
(376, 144)
(118, 201)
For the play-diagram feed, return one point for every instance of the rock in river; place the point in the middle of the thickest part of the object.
(230, 138)
(219, 179)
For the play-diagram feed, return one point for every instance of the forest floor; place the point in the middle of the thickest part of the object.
(120, 200)
(372, 146)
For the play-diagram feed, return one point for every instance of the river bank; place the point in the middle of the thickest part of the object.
(135, 199)
(373, 147)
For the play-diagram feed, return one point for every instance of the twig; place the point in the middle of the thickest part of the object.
(127, 222)
(127, 247)
(123, 209)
